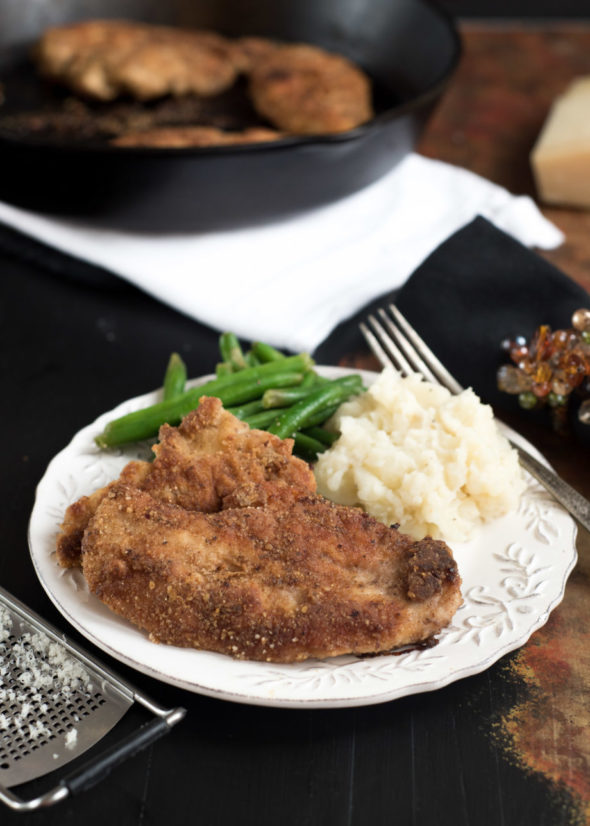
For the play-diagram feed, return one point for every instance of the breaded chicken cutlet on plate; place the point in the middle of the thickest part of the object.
(221, 543)
(511, 575)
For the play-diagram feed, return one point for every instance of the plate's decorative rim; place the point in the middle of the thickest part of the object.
(531, 567)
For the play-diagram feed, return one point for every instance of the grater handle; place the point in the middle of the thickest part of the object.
(95, 770)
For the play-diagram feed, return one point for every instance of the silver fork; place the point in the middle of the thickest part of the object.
(396, 344)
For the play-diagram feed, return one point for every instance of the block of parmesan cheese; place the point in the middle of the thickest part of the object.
(561, 156)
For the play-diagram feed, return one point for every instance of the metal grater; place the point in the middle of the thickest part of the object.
(56, 701)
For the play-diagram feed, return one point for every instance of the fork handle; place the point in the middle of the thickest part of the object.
(577, 505)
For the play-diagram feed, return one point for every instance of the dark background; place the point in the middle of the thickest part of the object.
(72, 347)
(517, 8)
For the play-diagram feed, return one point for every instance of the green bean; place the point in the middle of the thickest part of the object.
(261, 420)
(311, 378)
(301, 363)
(174, 378)
(251, 359)
(285, 397)
(246, 391)
(326, 437)
(144, 424)
(265, 352)
(322, 415)
(264, 419)
(223, 369)
(231, 352)
(242, 411)
(306, 447)
(235, 389)
(298, 416)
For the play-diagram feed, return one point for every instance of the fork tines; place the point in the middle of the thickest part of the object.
(396, 343)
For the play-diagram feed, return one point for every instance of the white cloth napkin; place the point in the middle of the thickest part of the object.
(292, 282)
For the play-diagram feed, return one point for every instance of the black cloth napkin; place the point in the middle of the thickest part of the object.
(476, 289)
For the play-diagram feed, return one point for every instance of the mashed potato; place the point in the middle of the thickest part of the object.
(414, 454)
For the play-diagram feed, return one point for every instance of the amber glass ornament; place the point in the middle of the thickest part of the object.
(551, 369)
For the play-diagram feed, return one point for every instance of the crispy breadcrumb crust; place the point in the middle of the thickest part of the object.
(209, 462)
(104, 59)
(222, 543)
(80, 512)
(297, 88)
(170, 137)
(278, 584)
(305, 90)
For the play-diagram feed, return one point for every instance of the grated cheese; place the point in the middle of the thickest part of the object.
(34, 667)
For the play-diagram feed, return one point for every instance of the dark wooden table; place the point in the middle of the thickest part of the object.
(488, 123)
(509, 746)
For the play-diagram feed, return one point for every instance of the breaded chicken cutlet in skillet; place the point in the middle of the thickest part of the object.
(104, 59)
(183, 136)
(296, 89)
(222, 543)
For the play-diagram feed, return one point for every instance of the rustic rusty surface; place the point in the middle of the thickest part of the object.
(495, 106)
(488, 122)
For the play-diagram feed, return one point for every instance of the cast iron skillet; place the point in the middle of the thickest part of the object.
(409, 48)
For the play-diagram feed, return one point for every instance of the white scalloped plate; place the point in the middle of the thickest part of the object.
(514, 574)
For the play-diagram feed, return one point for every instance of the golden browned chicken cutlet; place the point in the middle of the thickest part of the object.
(104, 59)
(305, 90)
(80, 512)
(211, 455)
(310, 579)
(210, 461)
(186, 136)
(250, 50)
